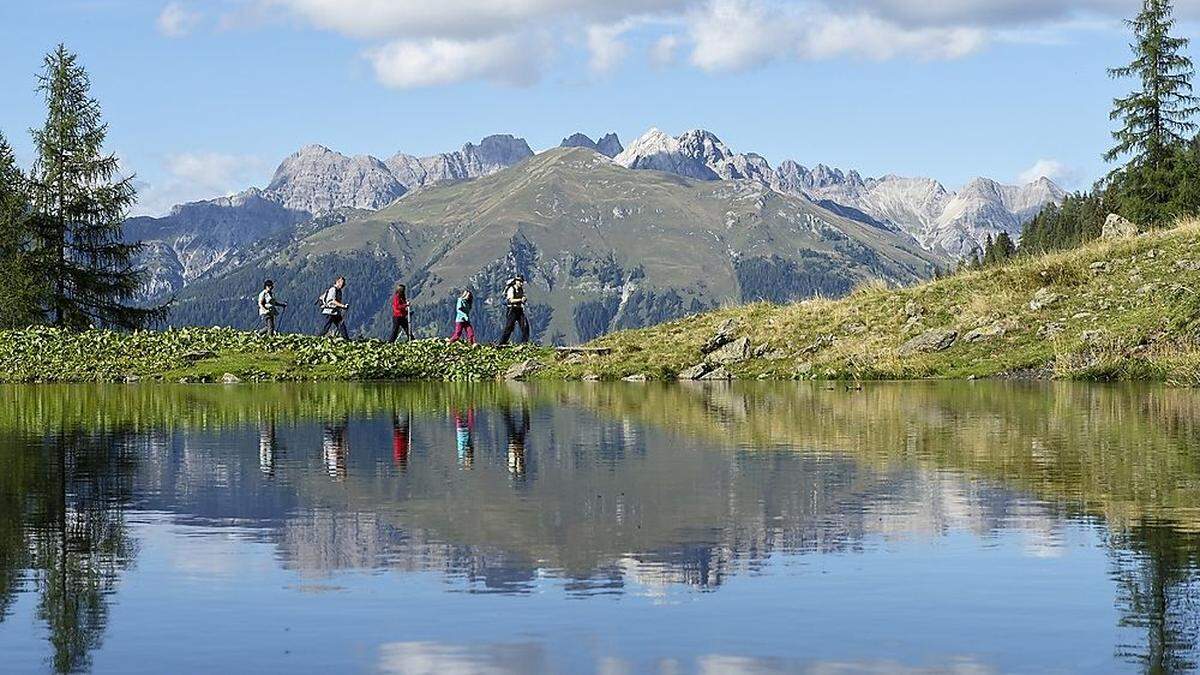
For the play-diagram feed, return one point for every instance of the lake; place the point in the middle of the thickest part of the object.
(600, 528)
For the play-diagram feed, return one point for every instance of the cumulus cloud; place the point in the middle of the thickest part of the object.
(177, 20)
(738, 34)
(662, 53)
(1053, 169)
(418, 43)
(421, 63)
(605, 47)
(190, 176)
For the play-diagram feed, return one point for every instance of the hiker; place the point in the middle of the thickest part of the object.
(400, 313)
(462, 317)
(514, 297)
(334, 309)
(268, 308)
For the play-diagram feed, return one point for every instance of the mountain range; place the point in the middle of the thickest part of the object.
(949, 224)
(603, 247)
(900, 229)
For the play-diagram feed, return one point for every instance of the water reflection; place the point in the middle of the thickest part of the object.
(621, 491)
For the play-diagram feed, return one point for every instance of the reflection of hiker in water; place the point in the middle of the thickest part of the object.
(464, 427)
(516, 428)
(266, 449)
(401, 440)
(334, 449)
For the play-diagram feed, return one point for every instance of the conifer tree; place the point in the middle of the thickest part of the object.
(18, 270)
(1155, 117)
(80, 205)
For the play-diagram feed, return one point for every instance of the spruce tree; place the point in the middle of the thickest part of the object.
(80, 206)
(18, 269)
(1156, 117)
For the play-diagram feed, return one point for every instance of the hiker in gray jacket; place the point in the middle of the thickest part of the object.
(334, 309)
(268, 308)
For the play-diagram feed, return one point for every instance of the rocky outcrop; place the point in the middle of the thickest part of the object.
(318, 180)
(933, 340)
(1116, 227)
(609, 145)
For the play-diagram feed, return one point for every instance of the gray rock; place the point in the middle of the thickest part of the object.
(720, 338)
(230, 378)
(591, 377)
(695, 372)
(522, 370)
(1050, 330)
(1116, 227)
(804, 368)
(731, 353)
(933, 340)
(719, 373)
(637, 377)
(1043, 298)
(988, 332)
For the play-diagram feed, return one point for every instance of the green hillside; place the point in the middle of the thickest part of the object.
(604, 248)
(1123, 309)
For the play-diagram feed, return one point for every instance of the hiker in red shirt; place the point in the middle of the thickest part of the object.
(400, 313)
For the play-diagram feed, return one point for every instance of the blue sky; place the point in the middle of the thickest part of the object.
(206, 96)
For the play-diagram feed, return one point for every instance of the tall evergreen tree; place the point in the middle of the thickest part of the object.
(1156, 117)
(80, 206)
(18, 270)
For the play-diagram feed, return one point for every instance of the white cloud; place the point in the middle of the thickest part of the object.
(514, 60)
(662, 53)
(190, 176)
(177, 20)
(738, 34)
(1053, 169)
(419, 43)
(605, 47)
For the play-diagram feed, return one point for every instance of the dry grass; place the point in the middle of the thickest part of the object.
(1119, 310)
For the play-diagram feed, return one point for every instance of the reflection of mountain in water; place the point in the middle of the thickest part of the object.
(608, 489)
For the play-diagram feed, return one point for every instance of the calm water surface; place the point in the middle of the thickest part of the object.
(961, 527)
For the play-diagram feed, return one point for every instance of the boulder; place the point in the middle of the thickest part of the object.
(522, 370)
(694, 373)
(591, 377)
(723, 336)
(1116, 227)
(1050, 330)
(933, 340)
(636, 377)
(731, 353)
(988, 332)
(719, 373)
(230, 378)
(1043, 298)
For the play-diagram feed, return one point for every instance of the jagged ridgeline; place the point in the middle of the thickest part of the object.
(603, 246)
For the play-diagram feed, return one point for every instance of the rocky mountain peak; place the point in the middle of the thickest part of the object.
(318, 180)
(609, 145)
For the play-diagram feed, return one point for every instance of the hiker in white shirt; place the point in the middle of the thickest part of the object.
(334, 309)
(268, 308)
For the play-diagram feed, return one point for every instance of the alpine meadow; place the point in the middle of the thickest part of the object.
(599, 336)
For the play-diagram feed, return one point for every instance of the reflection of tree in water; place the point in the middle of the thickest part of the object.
(68, 502)
(1157, 569)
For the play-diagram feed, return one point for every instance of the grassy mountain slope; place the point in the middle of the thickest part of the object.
(1125, 309)
(604, 248)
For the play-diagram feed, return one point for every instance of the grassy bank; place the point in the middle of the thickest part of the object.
(1112, 310)
(210, 354)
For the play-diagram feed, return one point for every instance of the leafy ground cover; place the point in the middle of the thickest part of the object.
(208, 354)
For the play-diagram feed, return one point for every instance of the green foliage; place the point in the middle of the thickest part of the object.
(202, 354)
(1157, 116)
(998, 250)
(1078, 221)
(18, 267)
(80, 205)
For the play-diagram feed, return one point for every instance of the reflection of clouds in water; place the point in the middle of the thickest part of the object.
(717, 664)
(436, 658)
